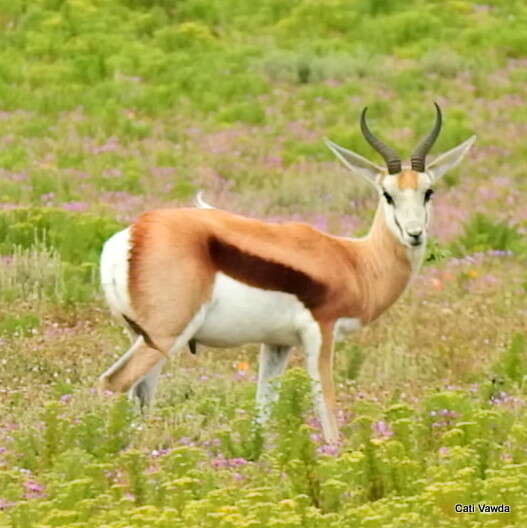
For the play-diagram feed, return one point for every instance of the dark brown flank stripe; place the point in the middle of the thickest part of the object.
(265, 274)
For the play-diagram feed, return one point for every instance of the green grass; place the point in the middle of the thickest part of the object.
(109, 108)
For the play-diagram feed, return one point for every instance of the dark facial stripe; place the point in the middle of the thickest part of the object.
(398, 224)
(268, 275)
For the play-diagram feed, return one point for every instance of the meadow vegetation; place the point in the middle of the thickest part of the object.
(111, 107)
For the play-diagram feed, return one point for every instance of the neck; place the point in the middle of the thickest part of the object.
(386, 266)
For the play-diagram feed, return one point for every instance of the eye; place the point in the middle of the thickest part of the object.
(428, 194)
(389, 199)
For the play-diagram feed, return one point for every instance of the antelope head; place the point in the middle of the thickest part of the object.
(404, 192)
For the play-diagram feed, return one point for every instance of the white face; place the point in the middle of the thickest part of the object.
(405, 199)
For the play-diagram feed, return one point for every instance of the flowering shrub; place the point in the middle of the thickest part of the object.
(409, 468)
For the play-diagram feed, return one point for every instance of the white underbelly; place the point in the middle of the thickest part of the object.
(239, 314)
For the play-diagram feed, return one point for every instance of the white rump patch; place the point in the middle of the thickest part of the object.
(114, 273)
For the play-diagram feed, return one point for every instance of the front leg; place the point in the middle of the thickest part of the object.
(317, 341)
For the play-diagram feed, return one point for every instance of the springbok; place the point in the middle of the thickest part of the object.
(203, 275)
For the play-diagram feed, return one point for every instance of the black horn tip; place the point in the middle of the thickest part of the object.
(392, 159)
(438, 110)
(420, 152)
(363, 118)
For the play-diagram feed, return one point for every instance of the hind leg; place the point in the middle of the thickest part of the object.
(273, 360)
(130, 368)
(145, 389)
(142, 360)
(121, 375)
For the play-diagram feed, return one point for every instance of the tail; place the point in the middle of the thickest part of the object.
(200, 203)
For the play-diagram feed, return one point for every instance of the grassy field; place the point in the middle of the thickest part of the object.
(108, 108)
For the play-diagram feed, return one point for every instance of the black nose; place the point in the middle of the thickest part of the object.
(415, 239)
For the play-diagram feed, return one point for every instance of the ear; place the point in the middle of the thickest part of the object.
(357, 164)
(448, 160)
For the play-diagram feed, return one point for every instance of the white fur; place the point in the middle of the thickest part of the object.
(272, 363)
(448, 160)
(344, 326)
(114, 273)
(190, 330)
(238, 314)
(312, 342)
(409, 212)
(145, 388)
(200, 203)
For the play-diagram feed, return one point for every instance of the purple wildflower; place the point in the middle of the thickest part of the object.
(316, 438)
(75, 206)
(4, 504)
(47, 198)
(448, 413)
(65, 398)
(236, 462)
(221, 462)
(328, 449)
(33, 490)
(382, 429)
(111, 145)
(160, 452)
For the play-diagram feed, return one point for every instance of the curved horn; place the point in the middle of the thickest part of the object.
(419, 154)
(392, 159)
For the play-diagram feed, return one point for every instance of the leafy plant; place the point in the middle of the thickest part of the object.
(482, 233)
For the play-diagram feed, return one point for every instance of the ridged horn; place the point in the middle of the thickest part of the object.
(419, 155)
(392, 159)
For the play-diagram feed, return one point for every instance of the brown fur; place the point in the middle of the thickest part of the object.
(123, 378)
(408, 179)
(169, 278)
(136, 329)
(266, 274)
(175, 254)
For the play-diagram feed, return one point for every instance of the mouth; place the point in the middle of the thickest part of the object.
(415, 243)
